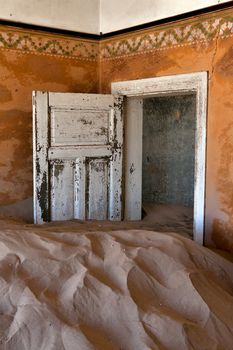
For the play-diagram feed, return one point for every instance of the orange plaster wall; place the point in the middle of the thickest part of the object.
(209, 47)
(39, 62)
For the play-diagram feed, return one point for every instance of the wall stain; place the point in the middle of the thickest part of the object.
(228, 105)
(135, 67)
(222, 232)
(224, 65)
(5, 94)
(15, 125)
(223, 235)
(35, 70)
(225, 171)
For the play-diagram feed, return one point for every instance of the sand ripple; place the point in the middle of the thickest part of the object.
(122, 290)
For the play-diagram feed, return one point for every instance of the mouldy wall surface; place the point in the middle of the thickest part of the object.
(34, 61)
(204, 43)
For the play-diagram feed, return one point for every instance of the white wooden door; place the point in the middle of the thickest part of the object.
(77, 156)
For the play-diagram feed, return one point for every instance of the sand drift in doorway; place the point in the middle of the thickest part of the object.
(173, 35)
(48, 44)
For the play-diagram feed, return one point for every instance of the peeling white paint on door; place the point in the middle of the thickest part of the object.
(77, 156)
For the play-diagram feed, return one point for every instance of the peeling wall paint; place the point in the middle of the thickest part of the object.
(203, 43)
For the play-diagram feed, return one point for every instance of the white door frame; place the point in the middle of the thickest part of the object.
(135, 91)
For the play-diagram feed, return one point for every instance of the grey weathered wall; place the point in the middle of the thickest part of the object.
(168, 149)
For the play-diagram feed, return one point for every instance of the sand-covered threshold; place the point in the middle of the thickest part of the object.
(62, 288)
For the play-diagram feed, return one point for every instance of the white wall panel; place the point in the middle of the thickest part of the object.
(77, 15)
(120, 14)
(93, 16)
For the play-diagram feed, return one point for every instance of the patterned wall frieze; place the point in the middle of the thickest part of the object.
(174, 35)
(48, 44)
(177, 34)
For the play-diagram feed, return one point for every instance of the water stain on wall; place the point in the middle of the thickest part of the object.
(5, 94)
(224, 65)
(36, 70)
(223, 230)
(15, 128)
(228, 105)
(134, 67)
(223, 235)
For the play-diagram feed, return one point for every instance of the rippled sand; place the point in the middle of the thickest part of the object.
(62, 288)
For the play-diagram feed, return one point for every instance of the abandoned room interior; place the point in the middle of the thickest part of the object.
(116, 175)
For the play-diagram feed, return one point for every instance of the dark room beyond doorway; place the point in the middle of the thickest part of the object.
(168, 160)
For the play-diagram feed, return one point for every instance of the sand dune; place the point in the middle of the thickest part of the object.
(119, 290)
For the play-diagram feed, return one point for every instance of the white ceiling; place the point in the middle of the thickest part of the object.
(95, 16)
(77, 15)
(119, 14)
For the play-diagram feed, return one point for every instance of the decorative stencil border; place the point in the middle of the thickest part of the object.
(46, 44)
(179, 34)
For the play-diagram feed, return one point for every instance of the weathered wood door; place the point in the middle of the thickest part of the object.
(77, 140)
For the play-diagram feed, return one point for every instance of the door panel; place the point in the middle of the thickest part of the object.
(94, 125)
(97, 189)
(77, 156)
(62, 190)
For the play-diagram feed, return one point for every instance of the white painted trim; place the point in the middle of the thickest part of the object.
(133, 158)
(170, 85)
(40, 159)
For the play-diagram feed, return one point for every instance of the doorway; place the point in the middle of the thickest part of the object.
(168, 162)
(136, 91)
